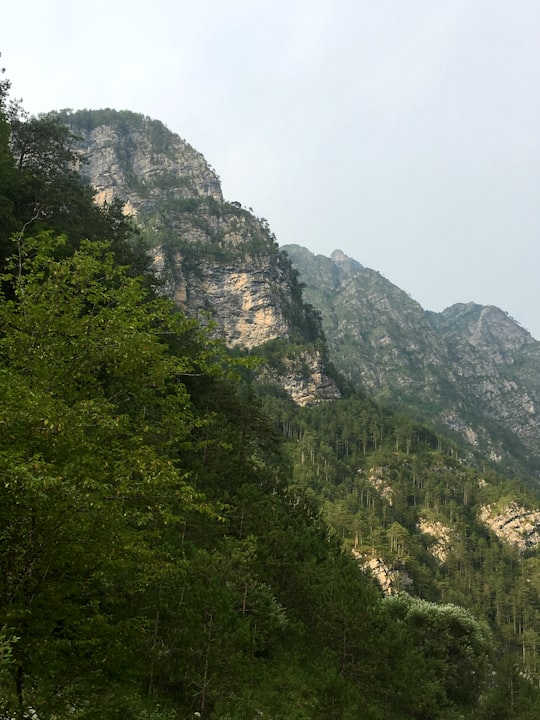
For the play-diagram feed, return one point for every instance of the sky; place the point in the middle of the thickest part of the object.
(405, 133)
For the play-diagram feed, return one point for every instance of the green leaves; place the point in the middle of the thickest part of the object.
(93, 412)
(449, 651)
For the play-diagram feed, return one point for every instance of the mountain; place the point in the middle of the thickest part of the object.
(470, 370)
(217, 261)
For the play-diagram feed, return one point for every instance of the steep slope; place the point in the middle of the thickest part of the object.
(471, 369)
(218, 261)
(137, 159)
(213, 586)
(375, 331)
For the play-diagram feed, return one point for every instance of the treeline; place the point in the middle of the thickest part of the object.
(157, 557)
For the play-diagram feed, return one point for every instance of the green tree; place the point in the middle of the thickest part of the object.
(95, 419)
(452, 654)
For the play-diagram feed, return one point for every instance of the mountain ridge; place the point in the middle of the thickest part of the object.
(471, 369)
(404, 501)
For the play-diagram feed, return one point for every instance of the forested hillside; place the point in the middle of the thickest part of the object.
(420, 518)
(165, 548)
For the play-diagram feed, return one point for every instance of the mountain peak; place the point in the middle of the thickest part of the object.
(339, 256)
(346, 265)
(216, 259)
(484, 326)
(139, 160)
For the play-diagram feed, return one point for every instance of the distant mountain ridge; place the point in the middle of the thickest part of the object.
(470, 369)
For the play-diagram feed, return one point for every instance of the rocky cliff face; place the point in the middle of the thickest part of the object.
(470, 369)
(487, 328)
(440, 538)
(498, 365)
(244, 301)
(375, 331)
(513, 524)
(392, 580)
(134, 158)
(218, 261)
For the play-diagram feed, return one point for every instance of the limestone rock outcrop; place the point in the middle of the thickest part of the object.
(513, 524)
(303, 377)
(245, 303)
(217, 261)
(392, 580)
(134, 158)
(441, 538)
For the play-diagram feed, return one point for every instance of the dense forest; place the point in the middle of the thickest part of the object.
(177, 540)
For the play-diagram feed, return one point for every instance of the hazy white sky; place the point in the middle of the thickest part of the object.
(405, 133)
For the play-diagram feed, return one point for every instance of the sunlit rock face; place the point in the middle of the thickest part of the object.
(513, 524)
(244, 303)
(377, 476)
(441, 538)
(304, 379)
(217, 261)
(392, 580)
(134, 158)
